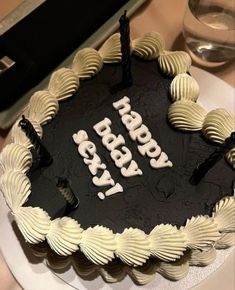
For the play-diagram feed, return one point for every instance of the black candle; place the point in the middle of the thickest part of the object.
(66, 190)
(125, 50)
(44, 156)
(218, 154)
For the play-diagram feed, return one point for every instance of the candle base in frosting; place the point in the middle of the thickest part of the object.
(126, 50)
(217, 155)
(43, 156)
(65, 189)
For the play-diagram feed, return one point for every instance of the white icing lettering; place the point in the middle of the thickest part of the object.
(94, 164)
(120, 154)
(115, 189)
(151, 149)
(111, 142)
(120, 158)
(132, 170)
(80, 136)
(132, 121)
(123, 106)
(161, 162)
(104, 180)
(86, 149)
(141, 134)
(101, 195)
(103, 127)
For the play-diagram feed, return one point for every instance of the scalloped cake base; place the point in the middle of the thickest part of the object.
(33, 272)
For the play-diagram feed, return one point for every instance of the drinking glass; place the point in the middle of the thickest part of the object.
(209, 31)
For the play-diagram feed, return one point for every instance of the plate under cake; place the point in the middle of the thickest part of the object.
(159, 214)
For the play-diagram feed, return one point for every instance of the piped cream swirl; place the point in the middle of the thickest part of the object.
(57, 262)
(226, 240)
(98, 245)
(173, 63)
(149, 46)
(63, 83)
(16, 188)
(33, 222)
(230, 156)
(200, 232)
(143, 274)
(202, 258)
(15, 157)
(184, 87)
(64, 236)
(87, 63)
(186, 115)
(167, 242)
(39, 250)
(224, 214)
(175, 270)
(113, 272)
(218, 125)
(42, 107)
(110, 51)
(132, 247)
(82, 265)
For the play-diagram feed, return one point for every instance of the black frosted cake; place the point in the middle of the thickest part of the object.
(156, 214)
(159, 195)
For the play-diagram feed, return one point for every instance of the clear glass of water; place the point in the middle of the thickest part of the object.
(209, 31)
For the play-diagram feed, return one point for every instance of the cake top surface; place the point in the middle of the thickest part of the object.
(162, 195)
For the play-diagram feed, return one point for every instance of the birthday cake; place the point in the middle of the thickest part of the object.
(120, 189)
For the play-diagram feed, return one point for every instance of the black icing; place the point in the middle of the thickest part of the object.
(159, 195)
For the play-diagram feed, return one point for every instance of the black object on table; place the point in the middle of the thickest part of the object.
(44, 38)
